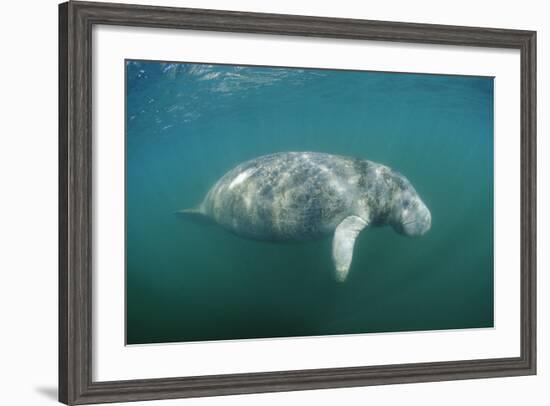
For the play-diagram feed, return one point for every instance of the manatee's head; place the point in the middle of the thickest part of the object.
(409, 215)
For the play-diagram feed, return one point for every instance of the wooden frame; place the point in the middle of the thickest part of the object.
(75, 172)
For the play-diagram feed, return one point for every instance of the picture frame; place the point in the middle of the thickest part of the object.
(76, 351)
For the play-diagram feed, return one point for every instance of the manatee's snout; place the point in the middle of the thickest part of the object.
(418, 222)
(415, 219)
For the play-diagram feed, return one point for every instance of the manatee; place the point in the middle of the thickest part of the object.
(301, 196)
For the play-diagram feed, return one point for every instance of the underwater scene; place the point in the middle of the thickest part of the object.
(266, 202)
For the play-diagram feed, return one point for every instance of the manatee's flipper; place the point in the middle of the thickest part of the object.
(343, 242)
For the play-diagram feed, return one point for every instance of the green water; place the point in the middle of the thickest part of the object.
(188, 124)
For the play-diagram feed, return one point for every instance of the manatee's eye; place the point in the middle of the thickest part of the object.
(406, 204)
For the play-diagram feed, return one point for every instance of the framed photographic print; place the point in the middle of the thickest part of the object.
(256, 202)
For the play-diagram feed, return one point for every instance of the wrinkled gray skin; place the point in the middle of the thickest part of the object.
(299, 196)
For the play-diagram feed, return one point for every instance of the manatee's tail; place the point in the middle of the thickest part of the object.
(195, 214)
(189, 212)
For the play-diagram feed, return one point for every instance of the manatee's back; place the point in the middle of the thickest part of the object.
(283, 196)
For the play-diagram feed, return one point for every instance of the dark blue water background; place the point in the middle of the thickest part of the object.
(188, 124)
